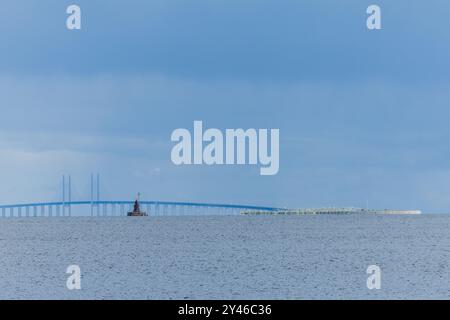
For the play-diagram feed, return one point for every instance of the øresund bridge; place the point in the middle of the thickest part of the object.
(98, 207)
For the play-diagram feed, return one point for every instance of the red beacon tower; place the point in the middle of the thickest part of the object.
(136, 210)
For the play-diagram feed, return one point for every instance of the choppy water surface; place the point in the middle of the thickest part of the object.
(228, 257)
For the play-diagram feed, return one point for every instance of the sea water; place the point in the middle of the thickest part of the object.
(226, 257)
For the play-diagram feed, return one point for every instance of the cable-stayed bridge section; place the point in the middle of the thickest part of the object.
(97, 207)
(120, 208)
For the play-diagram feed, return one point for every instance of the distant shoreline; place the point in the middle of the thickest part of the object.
(338, 211)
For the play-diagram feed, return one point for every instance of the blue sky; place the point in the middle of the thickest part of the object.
(362, 114)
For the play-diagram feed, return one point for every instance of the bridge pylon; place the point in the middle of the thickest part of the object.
(95, 195)
(66, 195)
